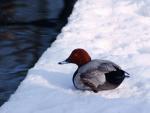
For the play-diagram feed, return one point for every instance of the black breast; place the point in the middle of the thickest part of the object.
(74, 76)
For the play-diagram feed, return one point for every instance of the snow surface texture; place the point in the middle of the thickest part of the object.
(116, 30)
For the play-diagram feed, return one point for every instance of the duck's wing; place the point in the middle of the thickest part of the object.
(94, 72)
(93, 79)
(96, 81)
(108, 66)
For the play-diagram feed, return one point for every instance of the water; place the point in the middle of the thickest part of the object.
(27, 28)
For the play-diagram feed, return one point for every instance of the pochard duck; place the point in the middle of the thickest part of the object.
(95, 75)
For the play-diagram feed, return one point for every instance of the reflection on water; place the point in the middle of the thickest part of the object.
(27, 28)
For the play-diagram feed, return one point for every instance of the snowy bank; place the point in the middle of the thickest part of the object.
(117, 30)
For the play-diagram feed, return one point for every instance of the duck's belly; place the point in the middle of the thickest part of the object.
(78, 83)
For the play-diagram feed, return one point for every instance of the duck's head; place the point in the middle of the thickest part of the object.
(78, 56)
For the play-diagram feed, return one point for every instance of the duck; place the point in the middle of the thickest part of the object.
(94, 74)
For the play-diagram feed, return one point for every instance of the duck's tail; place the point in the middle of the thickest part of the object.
(126, 74)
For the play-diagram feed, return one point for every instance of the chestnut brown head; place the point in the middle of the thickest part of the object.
(78, 56)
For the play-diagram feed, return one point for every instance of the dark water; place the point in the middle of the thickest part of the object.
(27, 28)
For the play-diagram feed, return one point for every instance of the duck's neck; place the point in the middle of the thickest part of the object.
(83, 62)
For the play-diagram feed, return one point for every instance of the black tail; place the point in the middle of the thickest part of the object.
(126, 74)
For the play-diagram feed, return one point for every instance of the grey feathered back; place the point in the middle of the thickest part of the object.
(104, 66)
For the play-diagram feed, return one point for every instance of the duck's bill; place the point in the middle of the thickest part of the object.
(63, 62)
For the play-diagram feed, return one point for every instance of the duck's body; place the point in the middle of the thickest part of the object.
(96, 75)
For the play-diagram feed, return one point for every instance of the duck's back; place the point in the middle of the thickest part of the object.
(101, 65)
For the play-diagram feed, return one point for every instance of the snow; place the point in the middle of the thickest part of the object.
(116, 30)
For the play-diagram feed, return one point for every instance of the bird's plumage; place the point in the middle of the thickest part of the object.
(95, 75)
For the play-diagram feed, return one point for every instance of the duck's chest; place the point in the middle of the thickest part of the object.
(78, 83)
